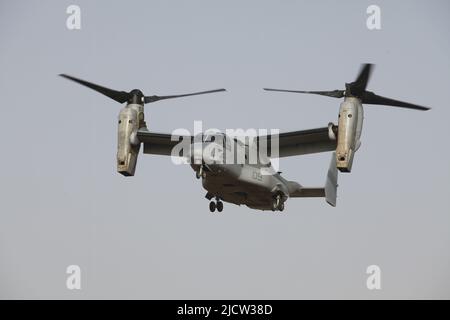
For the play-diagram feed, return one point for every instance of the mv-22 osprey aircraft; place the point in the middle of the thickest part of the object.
(243, 182)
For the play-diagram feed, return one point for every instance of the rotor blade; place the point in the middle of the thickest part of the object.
(149, 99)
(361, 81)
(371, 98)
(333, 94)
(119, 96)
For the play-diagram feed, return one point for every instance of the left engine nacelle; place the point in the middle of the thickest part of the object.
(131, 118)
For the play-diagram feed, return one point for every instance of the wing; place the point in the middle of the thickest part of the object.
(290, 143)
(296, 143)
(159, 143)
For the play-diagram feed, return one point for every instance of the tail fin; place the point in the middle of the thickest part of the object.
(331, 183)
(329, 191)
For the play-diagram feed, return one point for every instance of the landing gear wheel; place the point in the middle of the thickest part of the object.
(274, 205)
(219, 206)
(277, 204)
(212, 206)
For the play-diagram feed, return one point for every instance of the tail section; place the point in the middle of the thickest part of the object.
(331, 183)
(329, 191)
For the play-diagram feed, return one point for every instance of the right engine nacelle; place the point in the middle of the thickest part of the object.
(351, 117)
(131, 118)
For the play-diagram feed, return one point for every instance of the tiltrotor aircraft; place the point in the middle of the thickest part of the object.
(253, 183)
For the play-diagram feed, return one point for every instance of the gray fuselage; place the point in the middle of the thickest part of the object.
(250, 182)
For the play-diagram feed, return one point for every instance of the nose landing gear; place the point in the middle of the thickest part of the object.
(219, 206)
(200, 173)
(213, 205)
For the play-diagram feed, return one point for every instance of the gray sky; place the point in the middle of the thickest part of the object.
(152, 236)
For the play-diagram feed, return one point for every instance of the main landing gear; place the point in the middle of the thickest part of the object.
(213, 205)
(277, 204)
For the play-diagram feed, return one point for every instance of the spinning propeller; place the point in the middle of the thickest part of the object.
(134, 96)
(358, 89)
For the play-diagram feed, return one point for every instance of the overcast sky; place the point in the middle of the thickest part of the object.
(152, 235)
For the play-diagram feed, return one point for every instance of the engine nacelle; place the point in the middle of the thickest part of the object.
(351, 117)
(131, 118)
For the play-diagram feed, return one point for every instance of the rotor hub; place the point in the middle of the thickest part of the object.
(136, 96)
